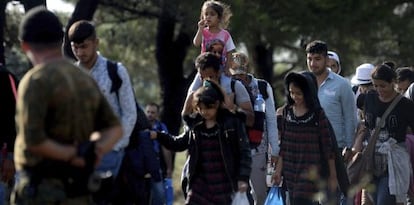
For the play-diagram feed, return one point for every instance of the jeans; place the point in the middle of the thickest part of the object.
(2, 193)
(111, 162)
(5, 188)
(382, 194)
(258, 178)
(157, 193)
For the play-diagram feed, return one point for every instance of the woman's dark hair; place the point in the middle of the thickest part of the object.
(208, 94)
(405, 73)
(384, 72)
(306, 82)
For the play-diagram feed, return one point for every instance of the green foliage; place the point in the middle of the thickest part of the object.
(16, 61)
(132, 43)
(360, 31)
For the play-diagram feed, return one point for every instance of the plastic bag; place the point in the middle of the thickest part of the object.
(240, 199)
(274, 197)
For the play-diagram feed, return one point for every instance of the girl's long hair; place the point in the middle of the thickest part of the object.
(306, 82)
(222, 9)
(208, 94)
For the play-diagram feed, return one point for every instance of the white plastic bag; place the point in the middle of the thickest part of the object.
(240, 199)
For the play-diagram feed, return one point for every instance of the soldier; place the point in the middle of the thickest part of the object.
(64, 123)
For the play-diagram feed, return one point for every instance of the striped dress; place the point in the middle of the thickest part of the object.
(302, 140)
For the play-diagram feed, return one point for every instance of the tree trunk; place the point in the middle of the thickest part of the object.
(264, 63)
(29, 4)
(170, 55)
(84, 10)
(3, 5)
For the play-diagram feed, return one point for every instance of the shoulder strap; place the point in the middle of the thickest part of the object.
(232, 85)
(373, 139)
(284, 115)
(13, 86)
(263, 88)
(233, 89)
(113, 75)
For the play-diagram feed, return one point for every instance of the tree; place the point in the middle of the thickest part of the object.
(84, 10)
(28, 4)
(274, 32)
(170, 55)
(3, 5)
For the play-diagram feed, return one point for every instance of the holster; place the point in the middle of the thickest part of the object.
(76, 180)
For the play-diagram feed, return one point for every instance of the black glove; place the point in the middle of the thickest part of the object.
(79, 177)
(86, 150)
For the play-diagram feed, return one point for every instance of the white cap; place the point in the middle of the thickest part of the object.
(362, 74)
(334, 56)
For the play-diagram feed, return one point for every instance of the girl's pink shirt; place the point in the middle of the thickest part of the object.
(223, 35)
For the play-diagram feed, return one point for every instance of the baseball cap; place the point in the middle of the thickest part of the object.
(334, 56)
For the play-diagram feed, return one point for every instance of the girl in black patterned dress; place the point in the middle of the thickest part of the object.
(219, 153)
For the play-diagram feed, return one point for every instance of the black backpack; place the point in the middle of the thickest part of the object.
(140, 157)
(255, 138)
(142, 122)
(139, 154)
(262, 84)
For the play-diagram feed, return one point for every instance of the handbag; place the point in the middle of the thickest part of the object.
(274, 197)
(240, 198)
(362, 163)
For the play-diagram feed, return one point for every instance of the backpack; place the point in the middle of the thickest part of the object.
(255, 133)
(262, 84)
(142, 122)
(139, 155)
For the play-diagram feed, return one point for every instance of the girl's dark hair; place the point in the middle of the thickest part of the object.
(384, 72)
(216, 6)
(208, 94)
(223, 11)
(306, 82)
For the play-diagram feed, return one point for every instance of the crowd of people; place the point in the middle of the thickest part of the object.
(82, 138)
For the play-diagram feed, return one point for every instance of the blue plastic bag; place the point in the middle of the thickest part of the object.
(169, 192)
(274, 197)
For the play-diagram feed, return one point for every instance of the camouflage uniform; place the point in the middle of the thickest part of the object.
(56, 101)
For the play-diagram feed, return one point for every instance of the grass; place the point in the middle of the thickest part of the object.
(180, 158)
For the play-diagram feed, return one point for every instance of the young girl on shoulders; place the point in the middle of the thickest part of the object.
(214, 20)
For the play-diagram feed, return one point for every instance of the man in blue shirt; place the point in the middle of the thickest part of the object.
(159, 195)
(335, 95)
